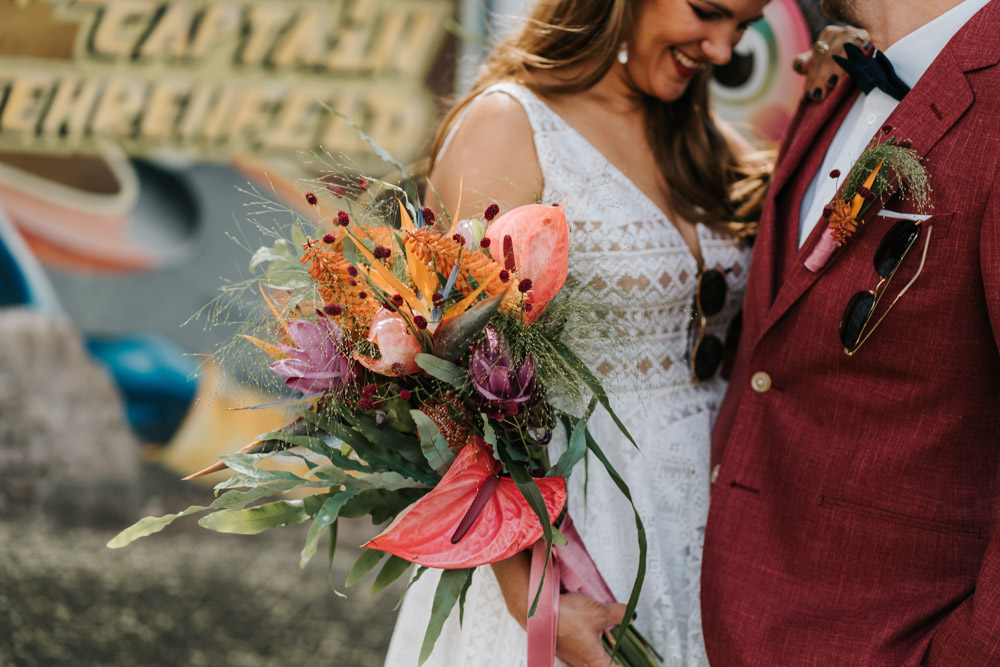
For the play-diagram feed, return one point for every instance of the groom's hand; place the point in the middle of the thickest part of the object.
(581, 622)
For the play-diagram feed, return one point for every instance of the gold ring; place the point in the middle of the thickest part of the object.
(859, 38)
(821, 47)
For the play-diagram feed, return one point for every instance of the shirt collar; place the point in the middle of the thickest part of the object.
(914, 53)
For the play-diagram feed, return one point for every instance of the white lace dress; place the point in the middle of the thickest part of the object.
(638, 266)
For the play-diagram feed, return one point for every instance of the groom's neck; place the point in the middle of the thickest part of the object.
(888, 21)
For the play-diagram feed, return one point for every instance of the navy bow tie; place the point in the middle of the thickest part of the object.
(869, 73)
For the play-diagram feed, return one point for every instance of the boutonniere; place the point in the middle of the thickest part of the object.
(881, 171)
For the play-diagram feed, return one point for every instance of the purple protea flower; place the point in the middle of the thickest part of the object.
(502, 388)
(317, 362)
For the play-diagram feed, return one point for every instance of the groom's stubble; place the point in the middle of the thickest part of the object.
(841, 11)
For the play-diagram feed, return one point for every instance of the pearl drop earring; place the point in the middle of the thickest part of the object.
(623, 54)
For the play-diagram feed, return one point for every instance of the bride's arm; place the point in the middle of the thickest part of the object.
(492, 154)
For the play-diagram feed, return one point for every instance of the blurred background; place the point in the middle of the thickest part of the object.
(130, 132)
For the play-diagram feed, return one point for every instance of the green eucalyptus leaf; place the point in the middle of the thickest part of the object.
(448, 591)
(326, 516)
(443, 370)
(255, 519)
(368, 559)
(381, 504)
(393, 569)
(434, 447)
(577, 446)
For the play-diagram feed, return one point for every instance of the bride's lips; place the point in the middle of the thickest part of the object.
(686, 67)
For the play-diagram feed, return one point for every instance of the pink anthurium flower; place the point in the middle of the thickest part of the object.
(472, 517)
(396, 343)
(317, 362)
(540, 236)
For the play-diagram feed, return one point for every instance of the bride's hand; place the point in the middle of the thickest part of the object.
(581, 622)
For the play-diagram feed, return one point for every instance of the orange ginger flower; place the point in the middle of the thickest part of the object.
(842, 223)
(431, 246)
(338, 282)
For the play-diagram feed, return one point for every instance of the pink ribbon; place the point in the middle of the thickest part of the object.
(570, 569)
(822, 251)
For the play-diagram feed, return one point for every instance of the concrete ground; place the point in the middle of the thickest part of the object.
(184, 597)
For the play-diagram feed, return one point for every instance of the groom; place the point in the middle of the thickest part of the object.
(856, 498)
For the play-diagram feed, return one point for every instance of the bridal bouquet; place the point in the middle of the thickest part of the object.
(422, 355)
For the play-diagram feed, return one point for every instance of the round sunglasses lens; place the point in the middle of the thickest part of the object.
(858, 310)
(707, 357)
(894, 245)
(713, 292)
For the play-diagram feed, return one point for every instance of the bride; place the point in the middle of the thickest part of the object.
(603, 104)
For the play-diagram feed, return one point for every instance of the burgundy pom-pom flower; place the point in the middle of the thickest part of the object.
(835, 173)
(388, 306)
(524, 285)
(397, 300)
(333, 309)
(827, 210)
(343, 219)
(459, 239)
(362, 294)
(352, 271)
(437, 299)
(528, 307)
(381, 252)
(485, 243)
(405, 394)
(429, 216)
(491, 212)
(311, 198)
(504, 275)
(368, 390)
(420, 321)
(329, 238)
(865, 193)
(366, 404)
(363, 184)
(352, 282)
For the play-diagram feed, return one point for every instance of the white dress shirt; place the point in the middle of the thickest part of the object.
(910, 57)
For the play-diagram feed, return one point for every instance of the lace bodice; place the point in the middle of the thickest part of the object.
(636, 267)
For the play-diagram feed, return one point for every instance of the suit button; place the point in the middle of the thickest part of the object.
(761, 382)
(715, 473)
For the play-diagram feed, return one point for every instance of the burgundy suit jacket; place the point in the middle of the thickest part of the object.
(855, 510)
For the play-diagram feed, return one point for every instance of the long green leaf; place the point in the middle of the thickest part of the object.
(416, 577)
(381, 504)
(393, 569)
(256, 519)
(443, 370)
(368, 559)
(640, 574)
(149, 525)
(526, 485)
(591, 380)
(577, 446)
(435, 448)
(448, 591)
(326, 516)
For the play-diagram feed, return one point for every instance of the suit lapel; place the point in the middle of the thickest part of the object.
(924, 116)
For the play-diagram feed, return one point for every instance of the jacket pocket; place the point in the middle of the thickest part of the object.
(901, 519)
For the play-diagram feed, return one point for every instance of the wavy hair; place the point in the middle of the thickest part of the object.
(577, 41)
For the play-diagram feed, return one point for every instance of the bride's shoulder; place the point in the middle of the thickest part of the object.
(492, 151)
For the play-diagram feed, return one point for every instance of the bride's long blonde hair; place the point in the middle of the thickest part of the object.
(706, 181)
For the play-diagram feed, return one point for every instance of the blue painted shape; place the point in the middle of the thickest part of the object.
(155, 378)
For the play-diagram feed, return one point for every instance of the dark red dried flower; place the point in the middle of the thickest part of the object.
(886, 129)
(524, 285)
(363, 184)
(459, 239)
(405, 394)
(366, 404)
(905, 143)
(491, 212)
(381, 252)
(388, 306)
(397, 300)
(508, 253)
(504, 275)
(528, 308)
(835, 173)
(352, 282)
(333, 309)
(429, 216)
(352, 271)
(343, 219)
(867, 194)
(485, 243)
(827, 210)
(437, 299)
(362, 295)
(369, 390)
(420, 321)
(329, 238)
(311, 198)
